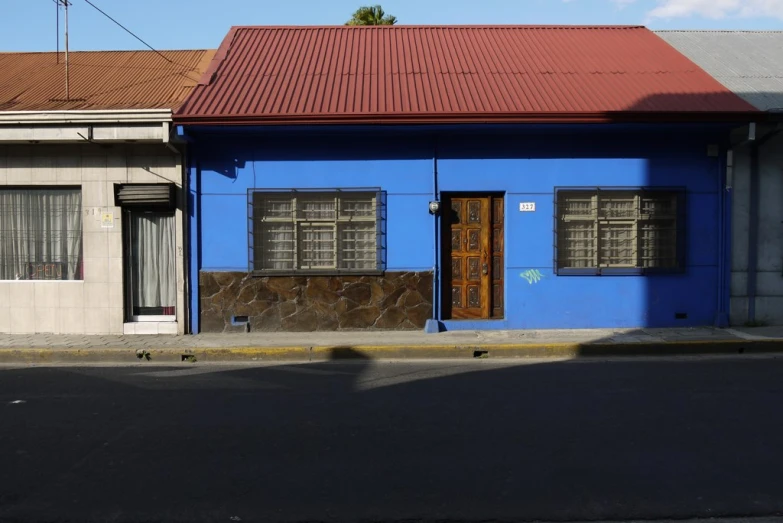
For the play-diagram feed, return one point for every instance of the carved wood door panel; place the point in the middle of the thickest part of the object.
(473, 247)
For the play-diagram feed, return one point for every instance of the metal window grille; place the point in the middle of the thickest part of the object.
(325, 231)
(616, 230)
(41, 233)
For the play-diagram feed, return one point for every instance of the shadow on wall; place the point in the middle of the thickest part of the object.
(745, 209)
(704, 217)
(698, 242)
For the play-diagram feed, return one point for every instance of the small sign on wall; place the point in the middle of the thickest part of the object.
(527, 207)
(107, 220)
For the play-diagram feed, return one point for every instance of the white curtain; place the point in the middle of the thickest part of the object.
(352, 206)
(318, 209)
(317, 241)
(317, 246)
(578, 245)
(358, 249)
(40, 234)
(277, 246)
(618, 205)
(153, 267)
(617, 243)
(659, 243)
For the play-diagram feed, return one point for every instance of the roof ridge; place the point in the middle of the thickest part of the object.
(717, 31)
(439, 26)
(110, 51)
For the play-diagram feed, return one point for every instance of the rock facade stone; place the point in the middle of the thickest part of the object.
(393, 301)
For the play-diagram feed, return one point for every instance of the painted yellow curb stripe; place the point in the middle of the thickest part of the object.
(306, 352)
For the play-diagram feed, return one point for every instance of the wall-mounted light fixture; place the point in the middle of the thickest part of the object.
(434, 207)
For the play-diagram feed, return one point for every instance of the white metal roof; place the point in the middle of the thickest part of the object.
(750, 63)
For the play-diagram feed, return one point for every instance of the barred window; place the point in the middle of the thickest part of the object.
(40, 234)
(619, 230)
(309, 231)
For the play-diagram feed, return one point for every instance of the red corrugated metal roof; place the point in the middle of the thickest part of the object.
(425, 74)
(99, 80)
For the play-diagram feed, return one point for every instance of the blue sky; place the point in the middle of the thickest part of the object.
(29, 25)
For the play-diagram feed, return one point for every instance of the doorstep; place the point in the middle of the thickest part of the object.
(150, 327)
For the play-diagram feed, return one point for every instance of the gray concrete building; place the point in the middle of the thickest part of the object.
(750, 63)
(91, 201)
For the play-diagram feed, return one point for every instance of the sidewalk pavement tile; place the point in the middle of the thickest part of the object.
(373, 338)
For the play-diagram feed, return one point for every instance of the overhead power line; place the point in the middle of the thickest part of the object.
(129, 31)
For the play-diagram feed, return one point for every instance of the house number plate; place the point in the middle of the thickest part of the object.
(527, 207)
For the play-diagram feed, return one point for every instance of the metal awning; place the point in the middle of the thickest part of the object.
(145, 195)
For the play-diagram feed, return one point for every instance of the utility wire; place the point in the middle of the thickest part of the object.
(129, 32)
(187, 67)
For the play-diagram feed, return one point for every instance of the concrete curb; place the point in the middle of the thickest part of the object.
(388, 352)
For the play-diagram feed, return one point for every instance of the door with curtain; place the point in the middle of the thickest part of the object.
(151, 278)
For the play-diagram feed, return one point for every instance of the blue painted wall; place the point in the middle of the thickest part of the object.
(526, 165)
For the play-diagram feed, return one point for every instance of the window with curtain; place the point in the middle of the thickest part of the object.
(619, 230)
(298, 231)
(40, 234)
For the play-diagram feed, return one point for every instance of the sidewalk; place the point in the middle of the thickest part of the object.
(320, 346)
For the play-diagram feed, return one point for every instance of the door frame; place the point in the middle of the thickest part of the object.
(444, 257)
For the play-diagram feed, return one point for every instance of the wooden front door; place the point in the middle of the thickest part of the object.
(473, 257)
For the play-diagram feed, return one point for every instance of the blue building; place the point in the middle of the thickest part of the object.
(479, 177)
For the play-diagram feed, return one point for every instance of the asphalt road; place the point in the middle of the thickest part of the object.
(367, 441)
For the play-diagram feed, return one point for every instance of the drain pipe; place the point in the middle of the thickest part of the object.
(724, 186)
(436, 250)
(753, 231)
(433, 325)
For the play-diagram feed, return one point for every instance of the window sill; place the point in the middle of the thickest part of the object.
(617, 271)
(152, 318)
(41, 281)
(331, 272)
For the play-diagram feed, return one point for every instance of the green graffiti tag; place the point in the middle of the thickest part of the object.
(532, 276)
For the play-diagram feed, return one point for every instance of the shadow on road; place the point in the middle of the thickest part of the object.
(372, 441)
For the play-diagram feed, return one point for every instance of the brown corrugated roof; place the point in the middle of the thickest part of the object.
(99, 80)
(450, 73)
